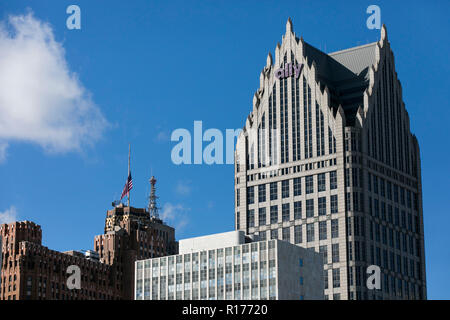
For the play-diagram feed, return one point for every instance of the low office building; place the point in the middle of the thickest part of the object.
(231, 266)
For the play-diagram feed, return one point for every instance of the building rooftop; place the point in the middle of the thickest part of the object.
(213, 241)
(345, 73)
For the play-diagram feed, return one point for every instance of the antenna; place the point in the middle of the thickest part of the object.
(152, 207)
(129, 153)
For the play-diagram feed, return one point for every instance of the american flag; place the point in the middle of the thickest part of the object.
(128, 186)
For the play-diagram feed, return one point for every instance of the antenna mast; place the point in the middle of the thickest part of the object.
(129, 153)
(152, 208)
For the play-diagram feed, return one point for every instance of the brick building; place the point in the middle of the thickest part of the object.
(132, 234)
(31, 271)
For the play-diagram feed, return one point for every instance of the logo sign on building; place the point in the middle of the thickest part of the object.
(288, 70)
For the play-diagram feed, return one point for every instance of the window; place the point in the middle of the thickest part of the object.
(285, 215)
(309, 184)
(285, 189)
(322, 206)
(251, 218)
(273, 214)
(310, 232)
(321, 182)
(389, 190)
(274, 234)
(262, 236)
(333, 180)
(336, 278)
(297, 210)
(297, 186)
(325, 278)
(262, 193)
(238, 226)
(334, 228)
(335, 252)
(322, 230)
(309, 208)
(375, 184)
(298, 234)
(334, 203)
(376, 207)
(273, 191)
(238, 196)
(250, 195)
(262, 216)
(286, 234)
(396, 193)
(324, 251)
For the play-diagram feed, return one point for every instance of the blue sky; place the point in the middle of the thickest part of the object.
(145, 68)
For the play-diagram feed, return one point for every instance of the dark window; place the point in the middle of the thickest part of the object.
(250, 195)
(322, 206)
(273, 191)
(285, 212)
(297, 186)
(334, 203)
(297, 210)
(333, 180)
(262, 193)
(285, 189)
(309, 184)
(273, 214)
(309, 208)
(262, 216)
(321, 182)
(334, 228)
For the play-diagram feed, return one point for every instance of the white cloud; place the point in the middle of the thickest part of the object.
(175, 214)
(183, 188)
(9, 215)
(41, 100)
(3, 147)
(162, 136)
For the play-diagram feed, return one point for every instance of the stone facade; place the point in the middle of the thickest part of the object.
(326, 160)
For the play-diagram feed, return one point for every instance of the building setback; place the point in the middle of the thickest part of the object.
(230, 266)
(326, 160)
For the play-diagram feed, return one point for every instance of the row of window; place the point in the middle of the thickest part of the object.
(384, 235)
(392, 191)
(385, 258)
(310, 209)
(298, 232)
(390, 285)
(286, 188)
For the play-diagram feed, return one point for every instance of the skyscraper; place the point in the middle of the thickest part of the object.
(326, 160)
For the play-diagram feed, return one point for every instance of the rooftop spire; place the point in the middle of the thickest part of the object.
(152, 207)
(289, 25)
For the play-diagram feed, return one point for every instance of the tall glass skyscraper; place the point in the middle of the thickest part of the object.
(326, 160)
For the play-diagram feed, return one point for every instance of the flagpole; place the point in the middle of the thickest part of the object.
(129, 152)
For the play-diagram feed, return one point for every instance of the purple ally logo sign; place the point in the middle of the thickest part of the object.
(288, 70)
